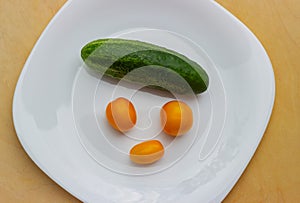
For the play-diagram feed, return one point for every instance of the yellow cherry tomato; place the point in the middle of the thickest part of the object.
(147, 152)
(121, 114)
(176, 118)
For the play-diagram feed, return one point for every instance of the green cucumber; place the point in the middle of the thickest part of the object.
(146, 64)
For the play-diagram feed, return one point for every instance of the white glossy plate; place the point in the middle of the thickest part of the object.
(58, 106)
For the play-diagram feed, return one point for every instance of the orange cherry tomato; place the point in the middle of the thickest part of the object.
(147, 152)
(121, 114)
(176, 118)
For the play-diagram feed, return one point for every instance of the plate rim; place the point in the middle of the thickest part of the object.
(14, 103)
(227, 189)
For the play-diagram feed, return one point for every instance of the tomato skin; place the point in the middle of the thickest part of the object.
(176, 118)
(147, 152)
(121, 114)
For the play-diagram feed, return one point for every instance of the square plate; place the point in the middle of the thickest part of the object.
(58, 106)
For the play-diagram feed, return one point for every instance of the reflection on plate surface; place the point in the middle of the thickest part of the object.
(110, 148)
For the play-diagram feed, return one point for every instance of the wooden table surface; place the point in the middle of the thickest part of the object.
(273, 174)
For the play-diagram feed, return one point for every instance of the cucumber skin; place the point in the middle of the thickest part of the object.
(117, 57)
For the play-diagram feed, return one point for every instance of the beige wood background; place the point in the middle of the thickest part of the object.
(273, 174)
